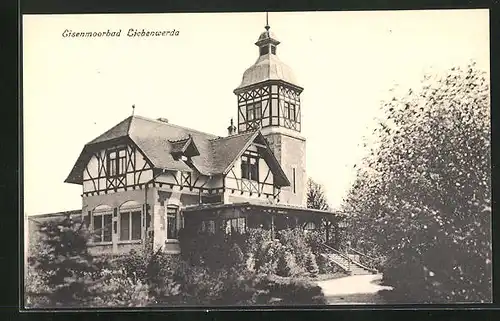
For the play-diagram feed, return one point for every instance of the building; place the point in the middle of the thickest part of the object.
(150, 178)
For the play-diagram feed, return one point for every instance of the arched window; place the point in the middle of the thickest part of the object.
(130, 221)
(102, 218)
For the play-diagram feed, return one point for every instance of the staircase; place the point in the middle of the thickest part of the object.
(346, 262)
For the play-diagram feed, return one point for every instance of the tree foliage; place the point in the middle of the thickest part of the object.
(316, 198)
(63, 263)
(423, 195)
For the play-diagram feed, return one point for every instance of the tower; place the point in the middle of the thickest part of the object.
(269, 98)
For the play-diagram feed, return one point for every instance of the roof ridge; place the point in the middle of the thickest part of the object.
(174, 125)
(233, 136)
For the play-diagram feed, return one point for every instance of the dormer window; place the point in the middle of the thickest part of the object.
(184, 149)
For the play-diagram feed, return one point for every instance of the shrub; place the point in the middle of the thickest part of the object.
(156, 270)
(295, 241)
(36, 291)
(290, 291)
(120, 291)
(311, 265)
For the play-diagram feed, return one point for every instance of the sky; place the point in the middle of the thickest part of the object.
(74, 89)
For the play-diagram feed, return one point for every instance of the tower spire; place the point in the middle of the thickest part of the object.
(267, 22)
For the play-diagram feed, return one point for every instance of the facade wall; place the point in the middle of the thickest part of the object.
(291, 153)
(265, 185)
(115, 204)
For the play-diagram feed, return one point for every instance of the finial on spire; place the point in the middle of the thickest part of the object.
(267, 21)
(133, 109)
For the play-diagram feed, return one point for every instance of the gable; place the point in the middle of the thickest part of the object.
(257, 143)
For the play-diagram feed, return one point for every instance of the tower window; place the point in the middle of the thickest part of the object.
(250, 167)
(273, 50)
(264, 50)
(254, 111)
(290, 111)
(291, 116)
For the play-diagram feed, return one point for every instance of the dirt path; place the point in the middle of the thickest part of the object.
(355, 289)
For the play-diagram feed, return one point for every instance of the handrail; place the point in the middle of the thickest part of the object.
(343, 255)
(349, 259)
(362, 254)
(365, 267)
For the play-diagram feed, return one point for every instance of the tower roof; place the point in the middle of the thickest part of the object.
(268, 66)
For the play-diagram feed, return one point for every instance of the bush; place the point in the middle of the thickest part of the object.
(35, 290)
(295, 241)
(120, 291)
(311, 265)
(289, 291)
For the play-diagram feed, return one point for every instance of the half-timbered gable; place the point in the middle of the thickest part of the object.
(255, 171)
(116, 168)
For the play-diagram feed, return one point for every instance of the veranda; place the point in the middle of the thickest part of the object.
(237, 218)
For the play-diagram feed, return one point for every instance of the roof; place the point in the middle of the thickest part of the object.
(37, 217)
(160, 142)
(278, 207)
(267, 67)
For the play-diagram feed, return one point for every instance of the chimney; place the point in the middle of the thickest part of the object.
(231, 130)
(163, 120)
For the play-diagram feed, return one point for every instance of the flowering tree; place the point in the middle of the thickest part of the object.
(423, 195)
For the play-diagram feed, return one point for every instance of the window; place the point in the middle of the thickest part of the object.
(309, 226)
(130, 225)
(254, 111)
(291, 114)
(116, 164)
(172, 221)
(293, 179)
(273, 50)
(208, 226)
(236, 225)
(290, 111)
(250, 167)
(264, 50)
(102, 227)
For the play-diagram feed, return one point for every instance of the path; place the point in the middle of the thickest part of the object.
(355, 289)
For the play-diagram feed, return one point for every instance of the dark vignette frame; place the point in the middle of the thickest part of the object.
(96, 6)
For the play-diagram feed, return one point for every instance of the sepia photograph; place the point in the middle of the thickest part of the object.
(259, 159)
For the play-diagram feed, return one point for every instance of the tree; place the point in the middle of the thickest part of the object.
(316, 198)
(63, 263)
(422, 197)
